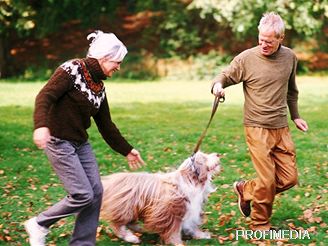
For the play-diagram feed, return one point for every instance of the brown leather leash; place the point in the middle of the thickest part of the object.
(216, 102)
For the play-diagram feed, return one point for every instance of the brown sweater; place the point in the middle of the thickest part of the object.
(73, 95)
(268, 84)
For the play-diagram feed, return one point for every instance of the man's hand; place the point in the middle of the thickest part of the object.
(134, 159)
(218, 90)
(41, 136)
(301, 124)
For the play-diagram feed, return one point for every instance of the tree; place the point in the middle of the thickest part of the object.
(16, 17)
(35, 19)
(173, 28)
(176, 29)
(304, 19)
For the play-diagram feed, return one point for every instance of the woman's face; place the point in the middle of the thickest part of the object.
(268, 42)
(109, 67)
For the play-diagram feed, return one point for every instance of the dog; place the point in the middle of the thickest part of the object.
(165, 203)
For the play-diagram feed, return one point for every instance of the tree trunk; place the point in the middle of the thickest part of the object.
(3, 59)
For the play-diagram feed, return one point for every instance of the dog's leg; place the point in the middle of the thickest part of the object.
(122, 232)
(174, 238)
(198, 234)
(135, 227)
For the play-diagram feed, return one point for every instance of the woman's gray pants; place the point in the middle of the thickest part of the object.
(76, 167)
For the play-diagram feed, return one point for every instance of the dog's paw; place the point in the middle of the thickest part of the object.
(136, 228)
(131, 238)
(202, 235)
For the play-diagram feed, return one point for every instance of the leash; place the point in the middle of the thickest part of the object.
(216, 102)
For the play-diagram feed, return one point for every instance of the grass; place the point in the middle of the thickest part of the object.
(164, 120)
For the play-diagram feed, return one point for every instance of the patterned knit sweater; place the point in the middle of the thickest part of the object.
(73, 95)
(268, 83)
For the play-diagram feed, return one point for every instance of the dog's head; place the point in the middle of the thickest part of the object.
(200, 167)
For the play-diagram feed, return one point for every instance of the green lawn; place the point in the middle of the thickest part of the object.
(164, 120)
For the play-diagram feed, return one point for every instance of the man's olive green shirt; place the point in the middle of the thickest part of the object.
(268, 83)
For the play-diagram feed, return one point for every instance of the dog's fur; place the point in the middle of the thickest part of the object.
(167, 204)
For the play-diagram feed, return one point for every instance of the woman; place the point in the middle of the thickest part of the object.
(63, 109)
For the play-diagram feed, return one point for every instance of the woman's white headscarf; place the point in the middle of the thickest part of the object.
(106, 45)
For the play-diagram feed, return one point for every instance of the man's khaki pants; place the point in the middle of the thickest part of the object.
(273, 155)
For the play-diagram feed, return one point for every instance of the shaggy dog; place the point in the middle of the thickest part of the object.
(166, 203)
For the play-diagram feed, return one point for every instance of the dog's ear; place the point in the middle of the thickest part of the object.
(201, 169)
(202, 173)
(220, 155)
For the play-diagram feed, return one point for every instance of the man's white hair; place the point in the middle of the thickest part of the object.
(106, 45)
(272, 21)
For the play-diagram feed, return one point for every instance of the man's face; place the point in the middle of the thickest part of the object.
(268, 42)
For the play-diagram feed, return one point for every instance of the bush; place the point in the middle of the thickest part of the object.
(35, 73)
(146, 66)
(199, 67)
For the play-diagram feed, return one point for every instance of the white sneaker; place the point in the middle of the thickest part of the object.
(37, 234)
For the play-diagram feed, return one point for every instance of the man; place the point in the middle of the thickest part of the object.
(268, 75)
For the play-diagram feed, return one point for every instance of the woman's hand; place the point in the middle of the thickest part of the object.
(41, 136)
(134, 159)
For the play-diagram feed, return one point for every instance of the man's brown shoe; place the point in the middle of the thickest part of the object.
(244, 206)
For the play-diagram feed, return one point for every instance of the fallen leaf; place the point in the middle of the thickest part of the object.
(297, 198)
(307, 213)
(312, 229)
(8, 238)
(318, 219)
(291, 225)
